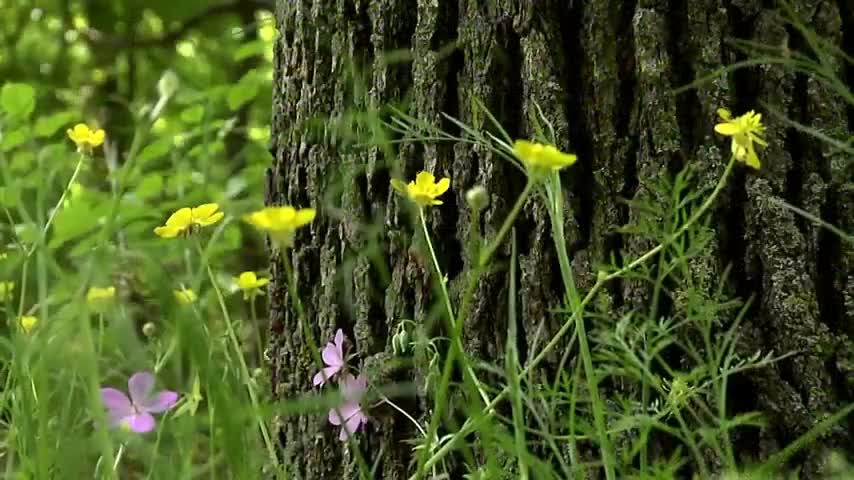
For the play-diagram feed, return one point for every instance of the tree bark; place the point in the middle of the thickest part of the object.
(602, 71)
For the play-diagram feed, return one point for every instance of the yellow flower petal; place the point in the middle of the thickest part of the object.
(211, 219)
(182, 218)
(540, 158)
(204, 211)
(304, 217)
(424, 190)
(442, 186)
(28, 323)
(728, 129)
(97, 138)
(424, 179)
(168, 232)
(280, 222)
(185, 296)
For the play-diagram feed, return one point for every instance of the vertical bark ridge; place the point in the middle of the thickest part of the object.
(601, 70)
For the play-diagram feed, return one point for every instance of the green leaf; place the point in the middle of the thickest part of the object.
(193, 115)
(76, 220)
(9, 196)
(150, 186)
(251, 49)
(14, 139)
(155, 150)
(48, 126)
(245, 90)
(18, 99)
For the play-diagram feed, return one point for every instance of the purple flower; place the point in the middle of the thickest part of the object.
(349, 414)
(333, 356)
(135, 412)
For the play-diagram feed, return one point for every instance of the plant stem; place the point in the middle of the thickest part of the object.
(56, 208)
(244, 369)
(508, 223)
(470, 424)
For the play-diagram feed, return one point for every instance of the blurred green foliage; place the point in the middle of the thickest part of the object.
(183, 90)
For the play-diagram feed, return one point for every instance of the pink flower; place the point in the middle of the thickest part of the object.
(349, 414)
(333, 356)
(135, 412)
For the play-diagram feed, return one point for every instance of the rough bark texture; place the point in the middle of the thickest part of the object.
(602, 71)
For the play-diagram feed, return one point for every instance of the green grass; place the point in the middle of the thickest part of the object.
(74, 221)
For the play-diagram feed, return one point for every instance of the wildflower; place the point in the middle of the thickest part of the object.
(185, 296)
(28, 323)
(281, 222)
(540, 158)
(134, 413)
(349, 414)
(250, 284)
(6, 289)
(99, 298)
(188, 219)
(424, 190)
(85, 138)
(333, 357)
(745, 130)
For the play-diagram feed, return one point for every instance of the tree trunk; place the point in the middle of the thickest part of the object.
(602, 72)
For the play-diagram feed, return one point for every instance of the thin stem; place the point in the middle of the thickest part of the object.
(508, 223)
(290, 280)
(442, 280)
(56, 208)
(456, 326)
(470, 424)
(95, 403)
(244, 369)
(253, 318)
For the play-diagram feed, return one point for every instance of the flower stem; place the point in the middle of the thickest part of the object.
(244, 369)
(508, 223)
(472, 423)
(56, 208)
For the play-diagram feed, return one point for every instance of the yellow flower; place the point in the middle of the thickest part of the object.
(424, 190)
(6, 289)
(745, 131)
(188, 219)
(28, 323)
(250, 284)
(185, 296)
(99, 298)
(281, 222)
(541, 159)
(85, 138)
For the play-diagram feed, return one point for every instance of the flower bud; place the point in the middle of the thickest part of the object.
(149, 329)
(477, 198)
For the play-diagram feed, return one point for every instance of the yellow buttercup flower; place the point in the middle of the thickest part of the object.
(745, 130)
(85, 138)
(185, 296)
(281, 222)
(6, 289)
(100, 297)
(28, 323)
(424, 190)
(540, 158)
(189, 219)
(250, 284)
